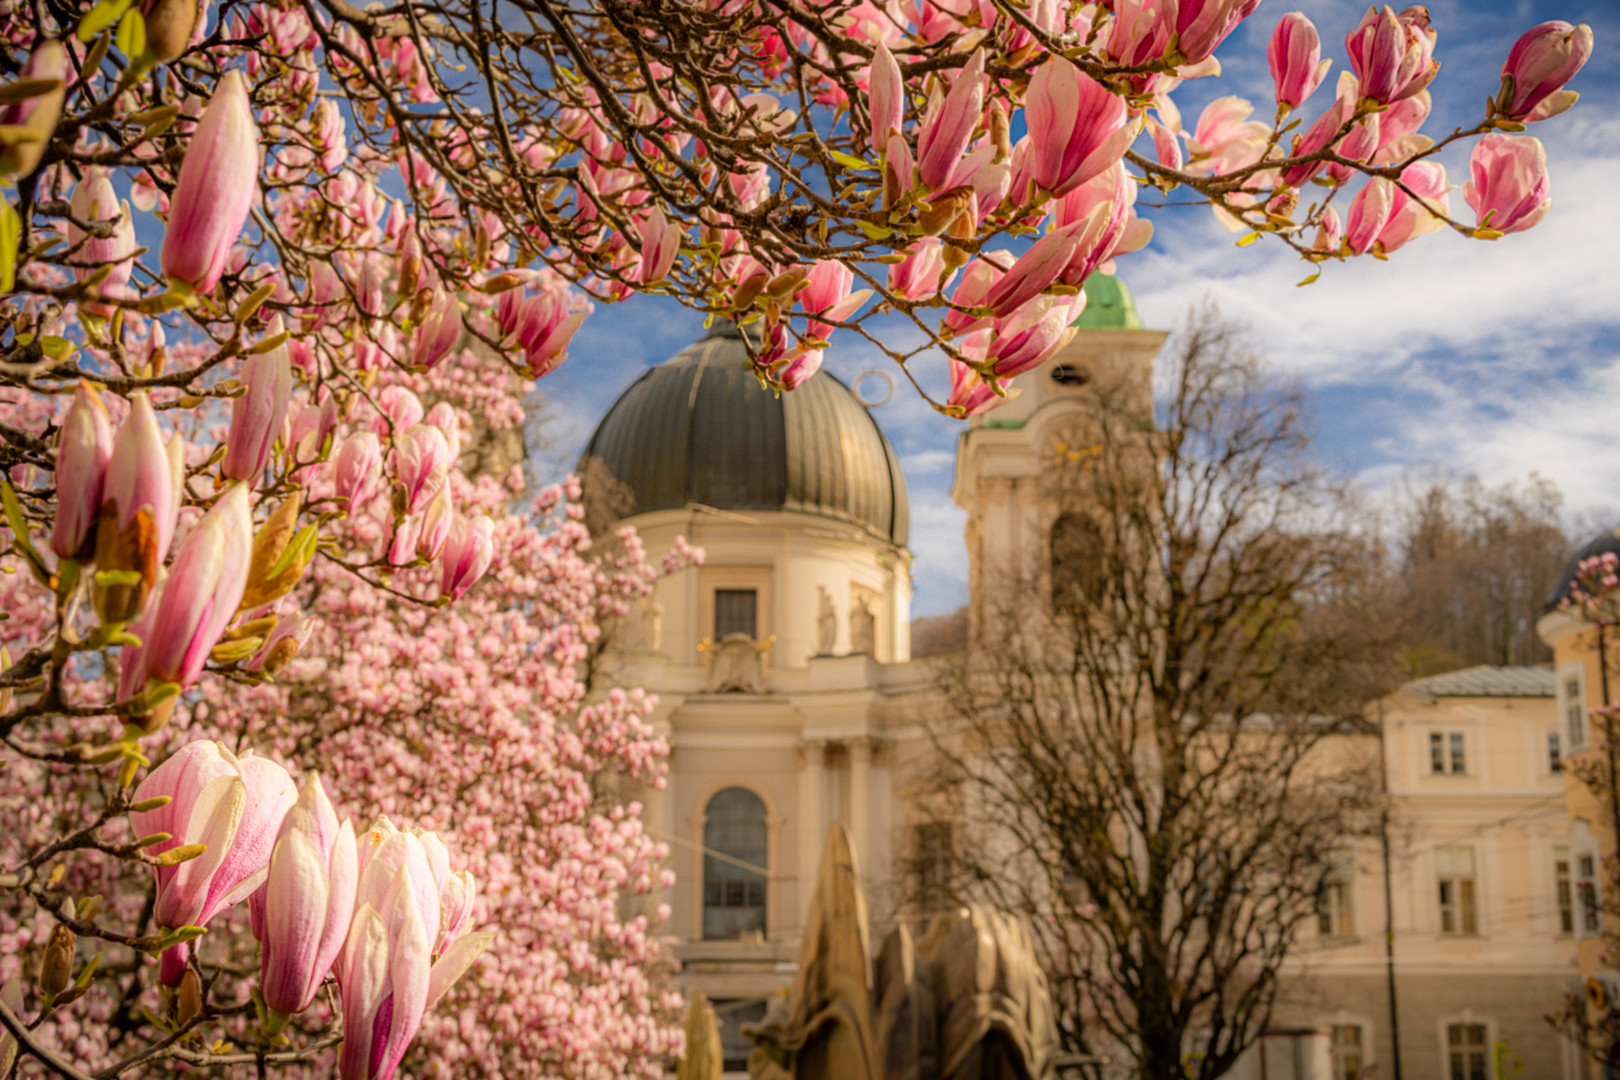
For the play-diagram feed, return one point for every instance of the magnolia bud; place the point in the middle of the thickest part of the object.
(56, 966)
(169, 24)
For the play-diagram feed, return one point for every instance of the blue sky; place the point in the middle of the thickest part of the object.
(1496, 359)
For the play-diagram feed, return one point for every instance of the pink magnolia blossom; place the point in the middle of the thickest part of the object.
(1114, 230)
(218, 182)
(94, 200)
(1508, 185)
(1295, 53)
(1030, 337)
(421, 460)
(1077, 128)
(1392, 55)
(971, 292)
(543, 325)
(467, 553)
(971, 394)
(35, 115)
(1540, 64)
(257, 416)
(1034, 272)
(1330, 233)
(947, 126)
(357, 469)
(285, 642)
(1369, 212)
(301, 913)
(234, 806)
(200, 596)
(82, 451)
(827, 294)
(923, 272)
(401, 410)
(1204, 24)
(660, 243)
(1225, 139)
(440, 332)
(386, 972)
(886, 97)
(436, 522)
(1411, 218)
(1324, 132)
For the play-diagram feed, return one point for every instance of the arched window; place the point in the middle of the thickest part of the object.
(1078, 567)
(734, 837)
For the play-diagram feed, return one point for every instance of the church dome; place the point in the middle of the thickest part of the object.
(1108, 305)
(1606, 542)
(700, 429)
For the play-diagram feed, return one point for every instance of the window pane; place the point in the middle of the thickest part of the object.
(1458, 762)
(1437, 752)
(1555, 756)
(734, 612)
(733, 866)
(1465, 903)
(1566, 895)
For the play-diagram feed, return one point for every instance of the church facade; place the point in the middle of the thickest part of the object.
(790, 699)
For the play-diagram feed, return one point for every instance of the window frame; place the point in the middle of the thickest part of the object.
(1335, 903)
(1448, 752)
(1573, 718)
(753, 597)
(1457, 894)
(1564, 890)
(1449, 1049)
(709, 876)
(1336, 1053)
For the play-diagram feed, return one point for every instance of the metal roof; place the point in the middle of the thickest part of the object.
(700, 429)
(1488, 681)
(1604, 543)
(1108, 305)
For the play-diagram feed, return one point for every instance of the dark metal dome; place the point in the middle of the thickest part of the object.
(1604, 543)
(700, 429)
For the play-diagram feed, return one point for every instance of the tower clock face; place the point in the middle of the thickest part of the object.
(1069, 446)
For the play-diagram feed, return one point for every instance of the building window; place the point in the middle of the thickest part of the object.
(734, 865)
(1078, 566)
(1575, 712)
(1335, 916)
(1555, 752)
(1467, 1051)
(933, 844)
(1586, 886)
(1347, 1052)
(1455, 869)
(1446, 753)
(735, 612)
(1564, 887)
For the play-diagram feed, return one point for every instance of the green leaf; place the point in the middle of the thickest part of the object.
(274, 342)
(874, 232)
(246, 309)
(1310, 280)
(1247, 240)
(850, 161)
(102, 16)
(181, 934)
(131, 36)
(24, 89)
(112, 579)
(10, 231)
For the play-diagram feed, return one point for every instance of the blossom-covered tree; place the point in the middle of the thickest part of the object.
(275, 276)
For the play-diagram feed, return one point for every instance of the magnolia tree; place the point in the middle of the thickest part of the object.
(272, 272)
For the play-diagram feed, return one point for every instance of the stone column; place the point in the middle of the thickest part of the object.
(812, 826)
(860, 803)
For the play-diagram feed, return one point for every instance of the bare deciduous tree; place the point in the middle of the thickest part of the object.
(1160, 767)
(1478, 564)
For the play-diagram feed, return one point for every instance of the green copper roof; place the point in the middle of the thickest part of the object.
(1108, 305)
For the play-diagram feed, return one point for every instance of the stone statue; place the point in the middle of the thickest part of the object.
(703, 1060)
(862, 628)
(652, 624)
(967, 1002)
(826, 623)
(735, 666)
